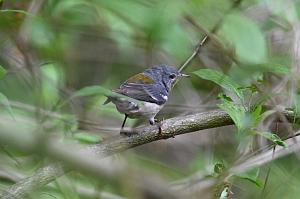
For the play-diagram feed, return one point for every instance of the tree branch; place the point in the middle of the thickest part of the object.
(145, 134)
(199, 183)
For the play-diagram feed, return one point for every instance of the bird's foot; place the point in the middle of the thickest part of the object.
(158, 123)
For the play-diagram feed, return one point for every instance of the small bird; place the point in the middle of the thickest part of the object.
(146, 93)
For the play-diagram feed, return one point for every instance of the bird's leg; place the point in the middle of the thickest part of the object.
(158, 123)
(123, 124)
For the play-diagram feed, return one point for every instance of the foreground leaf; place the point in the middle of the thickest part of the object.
(252, 176)
(219, 168)
(274, 68)
(4, 102)
(272, 137)
(2, 72)
(235, 111)
(246, 37)
(221, 79)
(88, 138)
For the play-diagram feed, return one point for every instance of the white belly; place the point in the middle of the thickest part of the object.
(133, 110)
(148, 110)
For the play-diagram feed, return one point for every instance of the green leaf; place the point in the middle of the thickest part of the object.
(272, 137)
(223, 96)
(246, 37)
(2, 72)
(88, 138)
(40, 33)
(52, 78)
(219, 168)
(75, 12)
(253, 88)
(257, 112)
(235, 111)
(266, 114)
(244, 119)
(252, 176)
(221, 79)
(256, 115)
(275, 68)
(4, 102)
(296, 106)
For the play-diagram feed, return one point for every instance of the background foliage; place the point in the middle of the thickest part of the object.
(55, 54)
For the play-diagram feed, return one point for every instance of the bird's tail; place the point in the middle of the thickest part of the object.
(114, 96)
(110, 96)
(108, 100)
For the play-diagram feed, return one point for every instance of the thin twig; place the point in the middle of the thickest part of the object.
(267, 176)
(198, 185)
(196, 51)
(207, 36)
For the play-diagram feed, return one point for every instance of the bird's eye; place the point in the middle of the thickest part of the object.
(172, 76)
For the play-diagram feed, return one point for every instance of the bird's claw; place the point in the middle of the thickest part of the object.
(158, 123)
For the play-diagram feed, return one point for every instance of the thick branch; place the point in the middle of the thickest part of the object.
(147, 134)
(170, 128)
(42, 177)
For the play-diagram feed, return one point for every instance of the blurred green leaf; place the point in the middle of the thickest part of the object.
(278, 8)
(40, 33)
(219, 168)
(274, 67)
(272, 137)
(246, 75)
(256, 115)
(167, 170)
(253, 88)
(296, 102)
(2, 72)
(266, 114)
(88, 138)
(246, 37)
(220, 79)
(75, 12)
(252, 176)
(223, 96)
(177, 41)
(52, 80)
(4, 102)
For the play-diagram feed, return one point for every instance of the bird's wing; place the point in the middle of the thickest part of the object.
(142, 87)
(140, 78)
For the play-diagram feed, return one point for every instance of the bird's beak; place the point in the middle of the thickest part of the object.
(183, 75)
